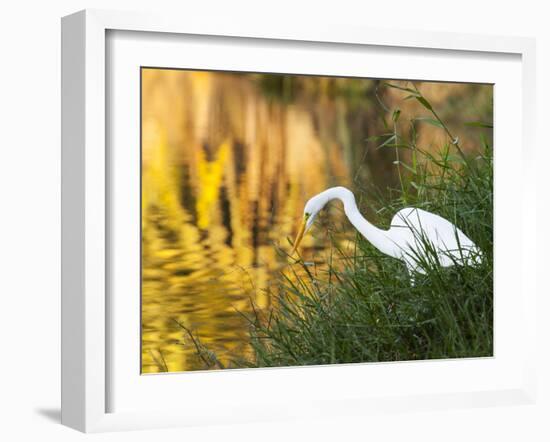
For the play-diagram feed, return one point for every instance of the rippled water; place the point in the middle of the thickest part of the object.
(228, 161)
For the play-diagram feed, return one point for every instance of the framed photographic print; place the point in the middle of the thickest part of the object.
(262, 223)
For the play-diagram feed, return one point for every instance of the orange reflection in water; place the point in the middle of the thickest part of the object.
(228, 161)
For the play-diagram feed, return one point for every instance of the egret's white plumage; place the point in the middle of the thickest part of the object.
(415, 236)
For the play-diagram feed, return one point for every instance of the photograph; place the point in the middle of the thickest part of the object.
(303, 220)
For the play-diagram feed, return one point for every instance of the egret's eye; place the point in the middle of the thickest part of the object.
(307, 215)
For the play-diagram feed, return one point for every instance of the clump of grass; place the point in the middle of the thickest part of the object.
(365, 308)
(208, 357)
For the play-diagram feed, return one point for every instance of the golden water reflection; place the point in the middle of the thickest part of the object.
(228, 161)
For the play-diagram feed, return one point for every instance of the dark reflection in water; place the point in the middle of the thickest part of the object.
(228, 163)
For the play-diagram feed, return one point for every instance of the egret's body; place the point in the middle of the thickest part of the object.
(415, 236)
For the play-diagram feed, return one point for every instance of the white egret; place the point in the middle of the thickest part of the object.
(415, 236)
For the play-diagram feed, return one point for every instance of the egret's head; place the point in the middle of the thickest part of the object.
(312, 208)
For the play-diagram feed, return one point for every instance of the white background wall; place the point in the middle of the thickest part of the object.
(30, 219)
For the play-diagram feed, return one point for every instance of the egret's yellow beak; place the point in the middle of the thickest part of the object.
(299, 236)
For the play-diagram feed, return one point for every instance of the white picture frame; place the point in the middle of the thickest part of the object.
(86, 205)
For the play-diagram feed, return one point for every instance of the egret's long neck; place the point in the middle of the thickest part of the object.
(377, 237)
